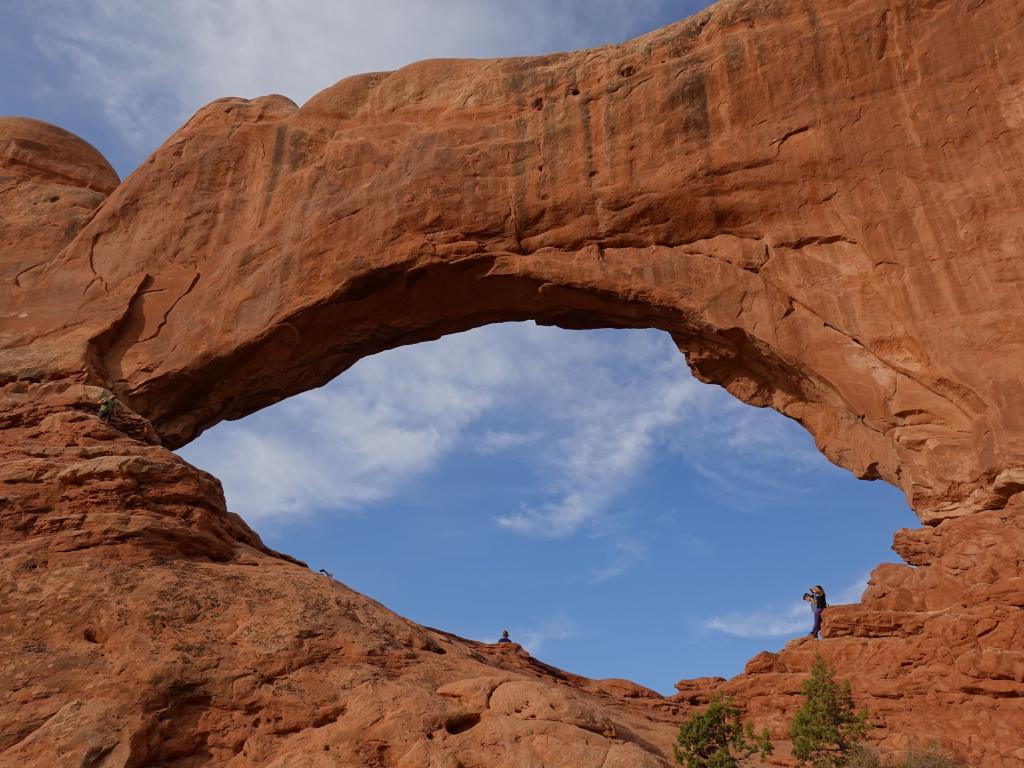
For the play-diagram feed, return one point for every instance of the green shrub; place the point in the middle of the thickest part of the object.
(931, 757)
(863, 757)
(717, 738)
(826, 730)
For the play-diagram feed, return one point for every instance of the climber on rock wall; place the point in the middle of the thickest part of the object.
(106, 408)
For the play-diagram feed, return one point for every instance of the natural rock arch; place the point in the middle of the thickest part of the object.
(820, 203)
(806, 253)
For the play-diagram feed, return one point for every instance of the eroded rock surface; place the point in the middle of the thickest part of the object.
(822, 202)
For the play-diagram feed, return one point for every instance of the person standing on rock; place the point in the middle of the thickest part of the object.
(504, 637)
(106, 408)
(816, 597)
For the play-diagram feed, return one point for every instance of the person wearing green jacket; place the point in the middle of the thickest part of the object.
(106, 408)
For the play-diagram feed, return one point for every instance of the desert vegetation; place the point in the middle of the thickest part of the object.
(827, 731)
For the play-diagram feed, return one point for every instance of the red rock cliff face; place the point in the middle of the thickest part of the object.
(822, 203)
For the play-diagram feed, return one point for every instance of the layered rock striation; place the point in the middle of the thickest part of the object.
(821, 202)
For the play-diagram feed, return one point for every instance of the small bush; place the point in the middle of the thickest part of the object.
(862, 757)
(931, 757)
(717, 738)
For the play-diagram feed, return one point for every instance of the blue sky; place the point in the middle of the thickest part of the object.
(579, 488)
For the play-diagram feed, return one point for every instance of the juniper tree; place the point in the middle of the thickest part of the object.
(717, 738)
(827, 728)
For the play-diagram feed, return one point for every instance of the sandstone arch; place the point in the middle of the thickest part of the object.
(821, 203)
(681, 180)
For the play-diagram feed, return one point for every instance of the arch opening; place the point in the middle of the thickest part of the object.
(577, 487)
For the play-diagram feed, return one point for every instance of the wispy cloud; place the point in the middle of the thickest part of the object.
(610, 418)
(345, 446)
(492, 442)
(853, 593)
(626, 552)
(790, 619)
(147, 66)
(395, 416)
(589, 413)
(748, 456)
(537, 637)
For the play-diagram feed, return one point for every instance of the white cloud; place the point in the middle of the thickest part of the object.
(614, 410)
(586, 413)
(537, 637)
(626, 552)
(750, 457)
(852, 593)
(492, 442)
(148, 66)
(359, 440)
(791, 619)
(591, 423)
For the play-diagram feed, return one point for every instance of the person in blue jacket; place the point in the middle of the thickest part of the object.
(816, 597)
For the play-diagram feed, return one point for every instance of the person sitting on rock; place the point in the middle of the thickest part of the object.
(504, 637)
(106, 408)
(816, 597)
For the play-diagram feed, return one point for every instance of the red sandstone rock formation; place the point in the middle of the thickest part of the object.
(821, 201)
